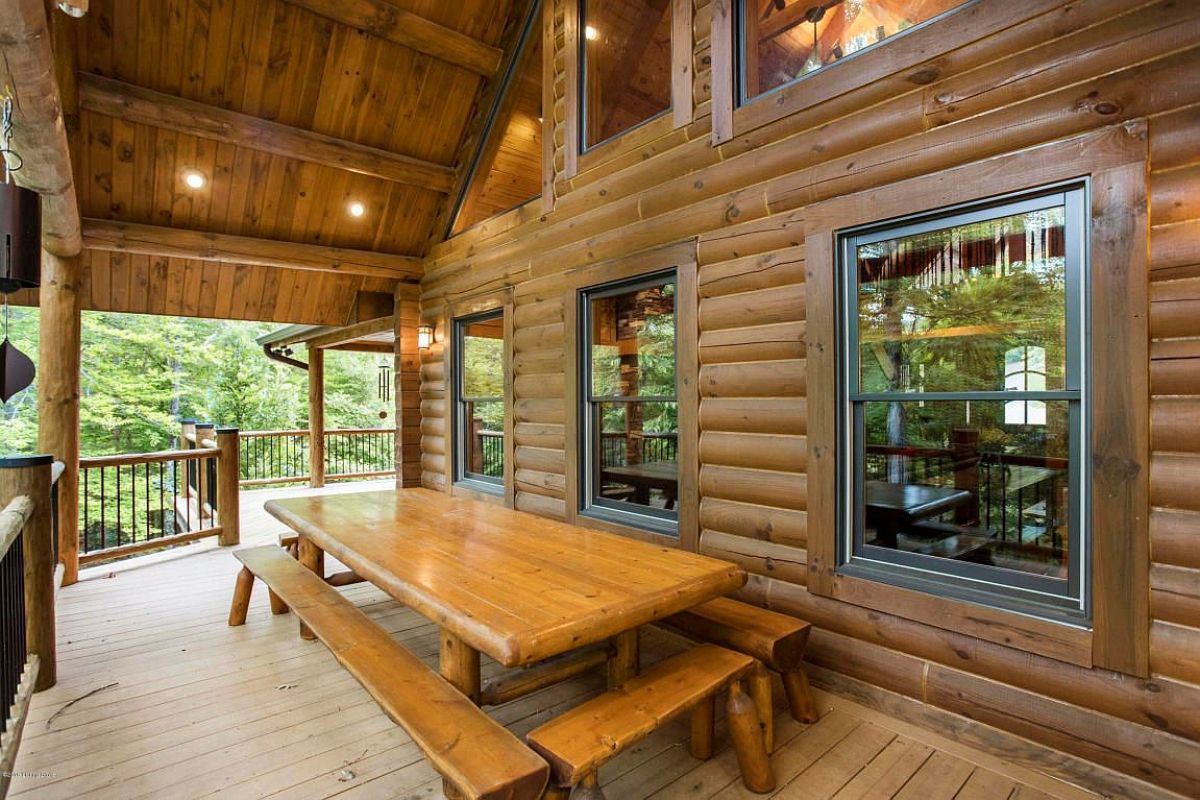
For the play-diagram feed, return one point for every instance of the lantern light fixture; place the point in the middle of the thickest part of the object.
(424, 337)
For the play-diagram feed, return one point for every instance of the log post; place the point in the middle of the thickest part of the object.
(316, 418)
(228, 471)
(30, 475)
(747, 738)
(312, 558)
(58, 395)
(623, 665)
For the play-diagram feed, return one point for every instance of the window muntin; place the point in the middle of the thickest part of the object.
(630, 411)
(780, 43)
(479, 400)
(963, 403)
(625, 70)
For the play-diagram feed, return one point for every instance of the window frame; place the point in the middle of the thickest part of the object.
(582, 146)
(741, 98)
(1115, 159)
(992, 586)
(463, 476)
(650, 519)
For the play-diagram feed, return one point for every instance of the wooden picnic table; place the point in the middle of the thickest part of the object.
(662, 475)
(515, 586)
(893, 506)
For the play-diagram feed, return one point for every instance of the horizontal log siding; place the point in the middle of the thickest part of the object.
(1047, 70)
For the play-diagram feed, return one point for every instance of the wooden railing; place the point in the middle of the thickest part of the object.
(134, 503)
(27, 565)
(280, 457)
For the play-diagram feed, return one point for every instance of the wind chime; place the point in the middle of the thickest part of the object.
(385, 382)
(20, 256)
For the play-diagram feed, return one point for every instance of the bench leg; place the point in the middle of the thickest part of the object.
(623, 664)
(241, 598)
(746, 733)
(800, 696)
(703, 732)
(277, 604)
(587, 789)
(760, 693)
(556, 793)
(313, 558)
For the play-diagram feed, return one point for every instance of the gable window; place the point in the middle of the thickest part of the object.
(479, 401)
(963, 403)
(629, 449)
(781, 41)
(626, 66)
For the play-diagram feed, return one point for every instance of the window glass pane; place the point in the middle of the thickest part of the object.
(483, 359)
(632, 342)
(483, 445)
(787, 39)
(627, 65)
(975, 307)
(984, 482)
(509, 171)
(636, 448)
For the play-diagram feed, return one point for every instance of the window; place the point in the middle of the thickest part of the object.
(782, 41)
(479, 401)
(962, 412)
(630, 416)
(626, 69)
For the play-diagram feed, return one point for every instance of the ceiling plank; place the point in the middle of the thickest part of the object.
(386, 21)
(140, 105)
(40, 136)
(128, 237)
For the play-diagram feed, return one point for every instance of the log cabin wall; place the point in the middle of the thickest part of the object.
(991, 79)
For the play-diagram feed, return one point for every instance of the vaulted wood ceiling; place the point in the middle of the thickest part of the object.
(292, 110)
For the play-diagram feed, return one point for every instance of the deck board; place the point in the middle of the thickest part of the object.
(169, 702)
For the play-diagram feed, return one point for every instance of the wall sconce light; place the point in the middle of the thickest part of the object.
(424, 337)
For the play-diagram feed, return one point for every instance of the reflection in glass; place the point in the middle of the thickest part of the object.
(480, 401)
(632, 414)
(637, 446)
(783, 40)
(954, 479)
(626, 65)
(976, 307)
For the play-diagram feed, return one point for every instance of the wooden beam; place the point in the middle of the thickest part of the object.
(39, 132)
(350, 333)
(386, 21)
(140, 105)
(154, 240)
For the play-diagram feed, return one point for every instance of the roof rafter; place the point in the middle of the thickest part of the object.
(155, 240)
(386, 21)
(137, 104)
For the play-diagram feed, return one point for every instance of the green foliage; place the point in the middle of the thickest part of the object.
(141, 374)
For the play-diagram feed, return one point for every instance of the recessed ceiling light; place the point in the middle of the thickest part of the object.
(357, 209)
(194, 179)
(591, 33)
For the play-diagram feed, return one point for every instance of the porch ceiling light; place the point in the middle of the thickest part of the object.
(424, 337)
(194, 178)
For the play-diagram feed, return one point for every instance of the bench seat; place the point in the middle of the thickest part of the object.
(578, 742)
(777, 640)
(471, 750)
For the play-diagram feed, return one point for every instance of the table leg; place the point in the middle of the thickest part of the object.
(623, 664)
(313, 558)
(459, 664)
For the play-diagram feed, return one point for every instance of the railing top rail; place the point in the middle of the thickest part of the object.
(328, 431)
(12, 521)
(147, 458)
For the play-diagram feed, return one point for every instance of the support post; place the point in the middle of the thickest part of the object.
(316, 417)
(30, 475)
(408, 386)
(228, 471)
(58, 396)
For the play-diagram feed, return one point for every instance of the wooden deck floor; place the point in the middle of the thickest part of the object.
(157, 697)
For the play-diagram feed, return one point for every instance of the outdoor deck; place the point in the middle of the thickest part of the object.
(157, 697)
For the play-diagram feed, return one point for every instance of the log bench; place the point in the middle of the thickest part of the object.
(776, 640)
(477, 755)
(578, 742)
